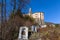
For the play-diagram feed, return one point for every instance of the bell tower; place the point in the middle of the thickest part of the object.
(41, 18)
(30, 12)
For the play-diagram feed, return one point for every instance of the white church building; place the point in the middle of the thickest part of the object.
(38, 16)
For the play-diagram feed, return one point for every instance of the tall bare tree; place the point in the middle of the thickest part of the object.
(5, 11)
(7, 31)
(19, 4)
(1, 5)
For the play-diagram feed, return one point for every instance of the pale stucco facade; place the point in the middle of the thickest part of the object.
(38, 16)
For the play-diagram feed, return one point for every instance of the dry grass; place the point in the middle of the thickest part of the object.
(48, 33)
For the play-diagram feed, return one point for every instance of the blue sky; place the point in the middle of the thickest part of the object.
(51, 9)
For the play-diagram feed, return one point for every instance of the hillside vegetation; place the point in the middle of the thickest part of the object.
(48, 33)
(10, 29)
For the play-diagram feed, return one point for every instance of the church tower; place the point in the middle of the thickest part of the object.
(41, 18)
(30, 12)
